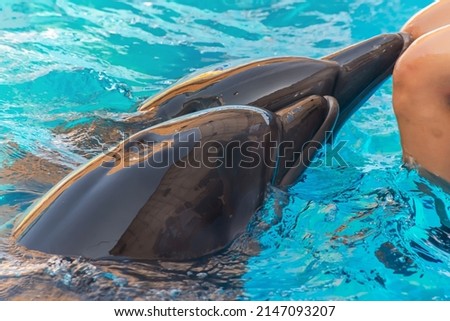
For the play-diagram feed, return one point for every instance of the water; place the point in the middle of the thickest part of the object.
(71, 70)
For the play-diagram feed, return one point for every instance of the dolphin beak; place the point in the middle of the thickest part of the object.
(363, 68)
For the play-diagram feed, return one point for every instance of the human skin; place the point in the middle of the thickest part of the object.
(422, 92)
(431, 18)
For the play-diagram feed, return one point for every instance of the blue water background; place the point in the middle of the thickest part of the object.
(368, 230)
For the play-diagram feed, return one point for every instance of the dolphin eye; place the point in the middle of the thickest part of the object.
(193, 106)
(201, 104)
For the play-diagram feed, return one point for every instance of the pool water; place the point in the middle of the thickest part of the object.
(70, 70)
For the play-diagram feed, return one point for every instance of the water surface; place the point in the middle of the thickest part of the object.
(71, 70)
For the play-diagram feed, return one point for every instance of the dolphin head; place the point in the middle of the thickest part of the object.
(179, 190)
(350, 75)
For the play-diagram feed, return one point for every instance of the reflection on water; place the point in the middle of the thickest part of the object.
(72, 70)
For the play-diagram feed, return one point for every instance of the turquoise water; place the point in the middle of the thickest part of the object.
(71, 70)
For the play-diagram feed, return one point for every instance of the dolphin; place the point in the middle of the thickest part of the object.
(187, 186)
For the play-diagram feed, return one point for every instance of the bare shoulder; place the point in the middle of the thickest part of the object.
(430, 18)
(429, 55)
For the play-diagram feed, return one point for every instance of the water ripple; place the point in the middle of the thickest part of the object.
(71, 70)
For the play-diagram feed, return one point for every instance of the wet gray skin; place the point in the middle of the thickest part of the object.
(187, 187)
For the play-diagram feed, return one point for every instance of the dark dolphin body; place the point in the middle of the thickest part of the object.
(187, 187)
